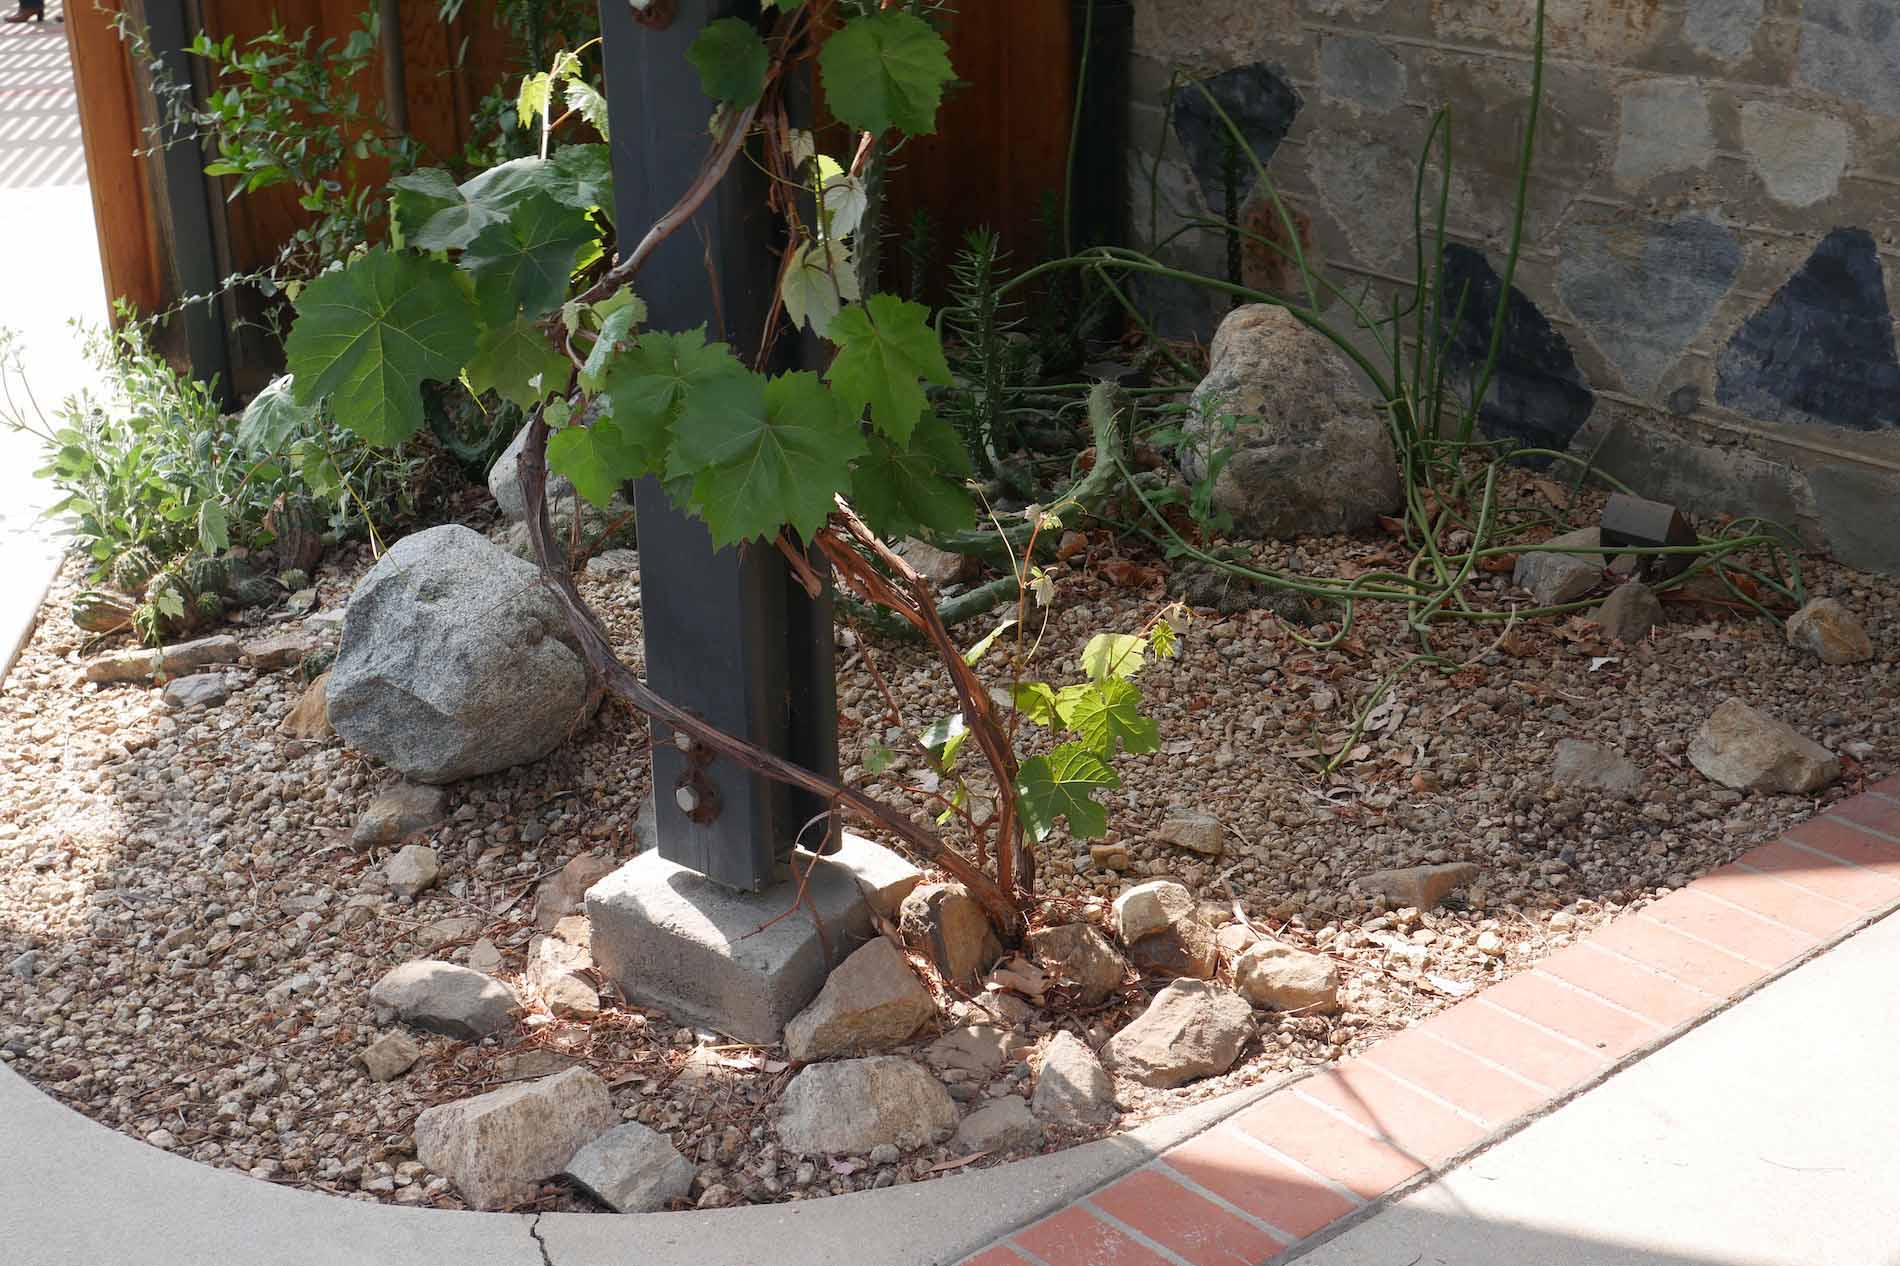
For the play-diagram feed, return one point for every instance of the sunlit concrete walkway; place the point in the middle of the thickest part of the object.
(49, 275)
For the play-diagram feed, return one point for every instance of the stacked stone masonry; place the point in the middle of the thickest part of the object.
(1703, 293)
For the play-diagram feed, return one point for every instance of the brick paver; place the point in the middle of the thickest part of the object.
(1281, 1170)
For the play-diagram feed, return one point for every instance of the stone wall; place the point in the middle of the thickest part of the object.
(1715, 203)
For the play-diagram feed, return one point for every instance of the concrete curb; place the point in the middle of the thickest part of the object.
(24, 583)
(74, 1193)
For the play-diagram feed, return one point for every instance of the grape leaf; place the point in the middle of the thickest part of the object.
(944, 739)
(611, 341)
(1107, 713)
(369, 334)
(533, 101)
(648, 387)
(884, 346)
(886, 70)
(1112, 655)
(433, 214)
(731, 60)
(1058, 786)
(526, 261)
(583, 177)
(517, 360)
(596, 459)
(819, 280)
(758, 472)
(1034, 701)
(844, 200)
(584, 98)
(916, 490)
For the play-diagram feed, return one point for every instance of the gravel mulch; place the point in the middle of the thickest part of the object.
(193, 937)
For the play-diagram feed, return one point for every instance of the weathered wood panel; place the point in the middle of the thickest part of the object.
(129, 252)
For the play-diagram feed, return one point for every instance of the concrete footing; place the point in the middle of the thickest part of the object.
(739, 963)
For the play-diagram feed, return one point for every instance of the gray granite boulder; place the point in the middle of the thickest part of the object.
(632, 1169)
(1310, 452)
(852, 1105)
(499, 1148)
(444, 998)
(455, 661)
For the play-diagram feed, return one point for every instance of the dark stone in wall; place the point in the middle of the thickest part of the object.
(1262, 105)
(1821, 351)
(1538, 395)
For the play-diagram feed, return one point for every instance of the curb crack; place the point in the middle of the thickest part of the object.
(534, 1233)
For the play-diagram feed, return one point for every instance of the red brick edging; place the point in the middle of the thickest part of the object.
(1328, 1146)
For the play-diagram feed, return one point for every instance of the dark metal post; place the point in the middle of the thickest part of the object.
(184, 206)
(729, 634)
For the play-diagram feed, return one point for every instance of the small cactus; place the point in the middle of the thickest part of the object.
(133, 570)
(102, 611)
(294, 578)
(295, 523)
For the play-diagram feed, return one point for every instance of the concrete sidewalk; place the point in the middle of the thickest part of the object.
(51, 276)
(1770, 1136)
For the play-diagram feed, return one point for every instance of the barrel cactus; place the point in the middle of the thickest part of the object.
(295, 522)
(133, 569)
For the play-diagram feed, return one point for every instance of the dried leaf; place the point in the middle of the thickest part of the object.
(1600, 661)
(1553, 493)
(1127, 575)
(1498, 564)
(1072, 544)
(842, 1167)
(958, 1163)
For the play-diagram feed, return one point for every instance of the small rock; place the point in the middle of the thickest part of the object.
(1233, 940)
(1420, 887)
(1831, 632)
(1630, 612)
(499, 1147)
(947, 925)
(390, 1056)
(871, 1002)
(1003, 1126)
(1752, 751)
(170, 661)
(717, 1196)
(431, 937)
(443, 998)
(309, 720)
(565, 893)
(1557, 578)
(1593, 768)
(398, 812)
(1079, 955)
(885, 1154)
(1073, 1089)
(278, 650)
(1197, 832)
(979, 1048)
(484, 957)
(1193, 1028)
(163, 1139)
(850, 1106)
(632, 1169)
(940, 567)
(23, 967)
(1160, 924)
(555, 973)
(1490, 944)
(614, 562)
(1562, 921)
(1269, 974)
(413, 869)
(201, 690)
(1109, 856)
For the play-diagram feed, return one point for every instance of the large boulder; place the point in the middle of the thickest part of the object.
(1080, 958)
(850, 1106)
(455, 661)
(504, 481)
(1310, 450)
(499, 1147)
(632, 1169)
(1283, 978)
(947, 925)
(871, 1002)
(1752, 751)
(1072, 1088)
(1193, 1028)
(1830, 632)
(444, 998)
(1160, 923)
